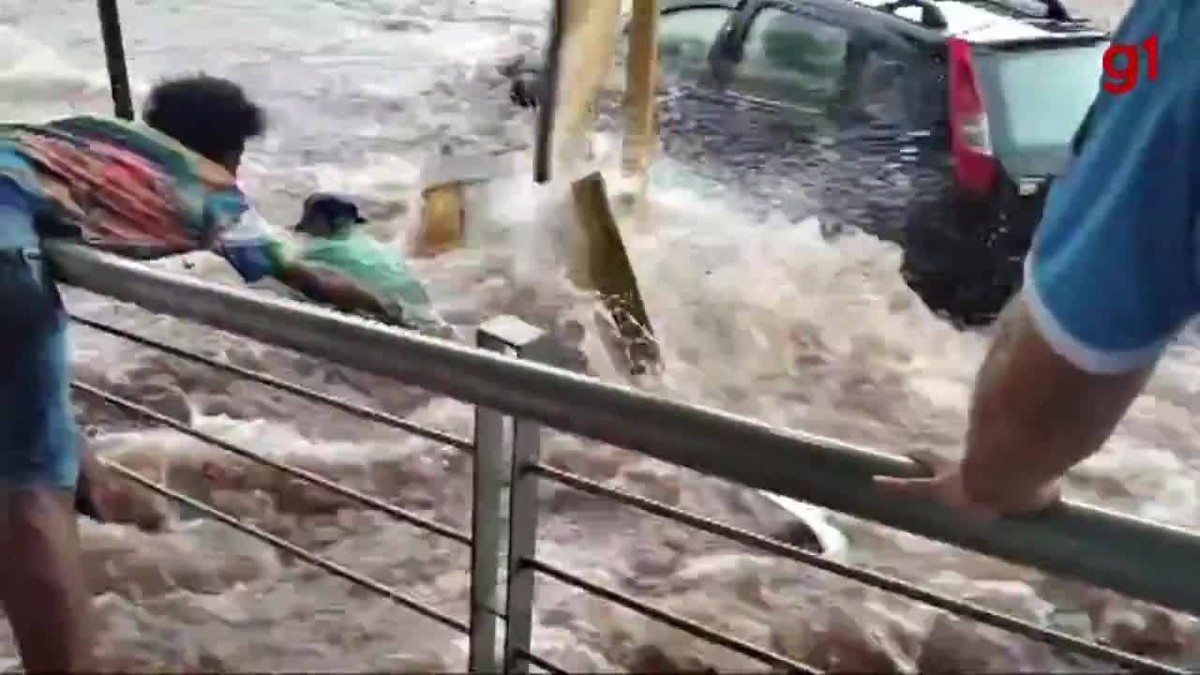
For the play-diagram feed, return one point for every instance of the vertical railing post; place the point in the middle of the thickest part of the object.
(492, 478)
(114, 57)
(523, 527)
(487, 490)
(522, 542)
(493, 454)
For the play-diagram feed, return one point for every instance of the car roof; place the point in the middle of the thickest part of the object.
(976, 21)
(990, 21)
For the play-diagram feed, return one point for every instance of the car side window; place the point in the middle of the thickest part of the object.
(685, 37)
(880, 92)
(793, 60)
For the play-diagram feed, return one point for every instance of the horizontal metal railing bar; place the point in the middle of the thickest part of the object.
(364, 499)
(538, 661)
(283, 385)
(1119, 552)
(671, 619)
(891, 584)
(280, 543)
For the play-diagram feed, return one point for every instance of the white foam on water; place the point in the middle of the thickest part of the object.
(763, 318)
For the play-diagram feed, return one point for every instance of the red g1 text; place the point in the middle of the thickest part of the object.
(1123, 65)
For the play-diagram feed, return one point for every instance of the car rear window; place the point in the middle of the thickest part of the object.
(1037, 97)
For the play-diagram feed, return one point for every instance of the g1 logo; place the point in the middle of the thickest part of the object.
(1123, 65)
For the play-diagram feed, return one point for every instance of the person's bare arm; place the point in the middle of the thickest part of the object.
(1034, 415)
(330, 287)
(1109, 281)
(245, 239)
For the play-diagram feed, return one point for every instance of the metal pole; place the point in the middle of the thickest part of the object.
(523, 519)
(487, 491)
(522, 543)
(114, 57)
(543, 155)
(1129, 555)
(494, 461)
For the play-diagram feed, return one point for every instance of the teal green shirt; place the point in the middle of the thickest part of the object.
(378, 268)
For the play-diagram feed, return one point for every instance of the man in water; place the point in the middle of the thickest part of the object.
(150, 189)
(337, 241)
(1113, 275)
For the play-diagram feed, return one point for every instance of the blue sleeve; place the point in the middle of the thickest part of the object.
(1112, 274)
(244, 238)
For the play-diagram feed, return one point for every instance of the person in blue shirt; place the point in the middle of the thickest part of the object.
(1113, 275)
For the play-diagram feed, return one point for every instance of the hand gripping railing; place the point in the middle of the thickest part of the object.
(1140, 559)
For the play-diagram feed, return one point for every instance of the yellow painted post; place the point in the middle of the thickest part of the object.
(447, 179)
(443, 220)
(641, 84)
(580, 58)
(586, 58)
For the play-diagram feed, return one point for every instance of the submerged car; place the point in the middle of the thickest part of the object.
(937, 124)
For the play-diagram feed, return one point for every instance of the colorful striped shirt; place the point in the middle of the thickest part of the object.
(124, 187)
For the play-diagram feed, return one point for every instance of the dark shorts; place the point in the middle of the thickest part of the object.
(38, 440)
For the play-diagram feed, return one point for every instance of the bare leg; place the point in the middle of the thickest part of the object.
(42, 586)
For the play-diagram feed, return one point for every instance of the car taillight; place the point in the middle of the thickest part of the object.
(975, 166)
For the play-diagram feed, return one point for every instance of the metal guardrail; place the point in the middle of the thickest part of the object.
(1130, 555)
(531, 395)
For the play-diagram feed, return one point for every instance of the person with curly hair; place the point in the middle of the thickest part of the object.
(149, 189)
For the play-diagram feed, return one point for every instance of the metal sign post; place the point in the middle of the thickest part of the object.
(114, 57)
(548, 96)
